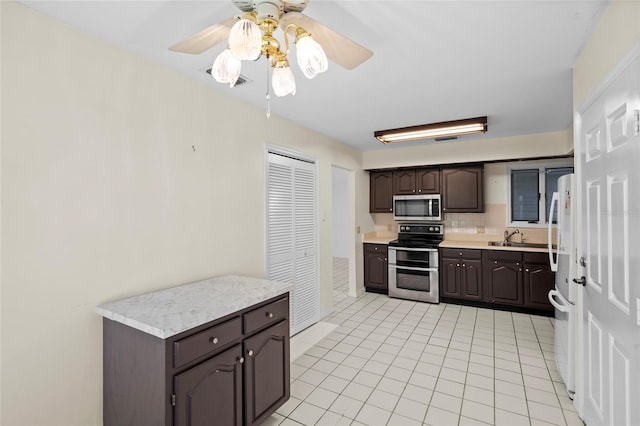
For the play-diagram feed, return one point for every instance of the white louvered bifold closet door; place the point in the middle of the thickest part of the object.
(291, 235)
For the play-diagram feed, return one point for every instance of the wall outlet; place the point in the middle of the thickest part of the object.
(389, 227)
(479, 229)
(357, 229)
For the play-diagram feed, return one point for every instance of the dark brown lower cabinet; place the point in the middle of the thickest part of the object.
(539, 279)
(266, 369)
(461, 274)
(503, 277)
(507, 278)
(211, 390)
(229, 372)
(376, 272)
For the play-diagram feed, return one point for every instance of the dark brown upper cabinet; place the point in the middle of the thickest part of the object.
(416, 181)
(462, 189)
(380, 192)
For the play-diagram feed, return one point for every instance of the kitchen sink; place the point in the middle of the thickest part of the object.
(515, 244)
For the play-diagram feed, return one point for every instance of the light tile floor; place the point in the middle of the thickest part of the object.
(397, 362)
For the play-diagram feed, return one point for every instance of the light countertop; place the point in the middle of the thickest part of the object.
(167, 312)
(485, 246)
(377, 237)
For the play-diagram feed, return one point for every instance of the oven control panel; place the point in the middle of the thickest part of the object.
(421, 228)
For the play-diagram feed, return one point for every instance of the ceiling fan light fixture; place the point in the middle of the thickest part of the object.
(282, 79)
(433, 130)
(312, 59)
(245, 40)
(226, 68)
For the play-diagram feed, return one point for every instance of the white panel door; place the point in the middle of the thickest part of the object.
(609, 248)
(291, 235)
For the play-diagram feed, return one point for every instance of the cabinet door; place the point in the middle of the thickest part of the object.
(404, 182)
(211, 390)
(428, 181)
(504, 282)
(381, 192)
(450, 278)
(471, 279)
(462, 190)
(376, 273)
(538, 281)
(266, 374)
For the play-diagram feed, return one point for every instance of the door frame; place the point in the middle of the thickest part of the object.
(612, 76)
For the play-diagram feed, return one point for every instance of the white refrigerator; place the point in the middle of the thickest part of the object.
(563, 296)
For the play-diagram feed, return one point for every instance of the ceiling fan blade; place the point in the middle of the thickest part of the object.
(340, 49)
(205, 39)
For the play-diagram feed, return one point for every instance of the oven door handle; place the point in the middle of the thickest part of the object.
(409, 268)
(412, 249)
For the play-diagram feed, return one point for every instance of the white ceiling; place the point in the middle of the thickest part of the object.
(433, 60)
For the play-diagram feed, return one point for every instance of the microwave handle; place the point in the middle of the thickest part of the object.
(435, 208)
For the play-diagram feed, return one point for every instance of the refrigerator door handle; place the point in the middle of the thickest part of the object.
(554, 203)
(552, 298)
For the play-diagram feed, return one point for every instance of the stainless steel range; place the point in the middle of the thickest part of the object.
(413, 262)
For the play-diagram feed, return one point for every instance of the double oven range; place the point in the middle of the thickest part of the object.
(413, 262)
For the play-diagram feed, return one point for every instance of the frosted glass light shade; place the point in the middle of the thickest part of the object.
(282, 81)
(226, 68)
(245, 40)
(311, 57)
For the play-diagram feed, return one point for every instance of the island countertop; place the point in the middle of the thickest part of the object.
(165, 313)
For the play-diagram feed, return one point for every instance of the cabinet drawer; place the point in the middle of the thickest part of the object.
(205, 342)
(534, 257)
(461, 253)
(504, 255)
(375, 248)
(266, 315)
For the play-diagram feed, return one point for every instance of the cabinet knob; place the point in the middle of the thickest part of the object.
(385, 259)
(250, 353)
(241, 360)
(526, 270)
(517, 263)
(214, 340)
(495, 261)
(375, 248)
(457, 264)
(269, 314)
(460, 253)
(419, 190)
(390, 210)
(520, 269)
(463, 265)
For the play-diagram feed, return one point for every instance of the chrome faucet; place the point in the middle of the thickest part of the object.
(507, 235)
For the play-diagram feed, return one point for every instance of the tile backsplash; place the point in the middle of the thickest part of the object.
(486, 226)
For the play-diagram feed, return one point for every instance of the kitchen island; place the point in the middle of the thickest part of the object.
(217, 348)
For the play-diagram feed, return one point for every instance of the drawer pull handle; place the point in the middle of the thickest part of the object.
(214, 340)
(269, 314)
(241, 360)
(250, 353)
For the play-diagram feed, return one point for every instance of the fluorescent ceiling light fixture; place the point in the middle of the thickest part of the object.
(434, 130)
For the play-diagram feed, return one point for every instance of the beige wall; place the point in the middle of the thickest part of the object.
(119, 177)
(525, 146)
(617, 32)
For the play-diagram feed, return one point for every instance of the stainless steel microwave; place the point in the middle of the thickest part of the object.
(417, 207)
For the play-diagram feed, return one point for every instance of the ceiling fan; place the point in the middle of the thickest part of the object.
(250, 36)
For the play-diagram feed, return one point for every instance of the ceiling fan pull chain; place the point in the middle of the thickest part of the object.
(268, 92)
